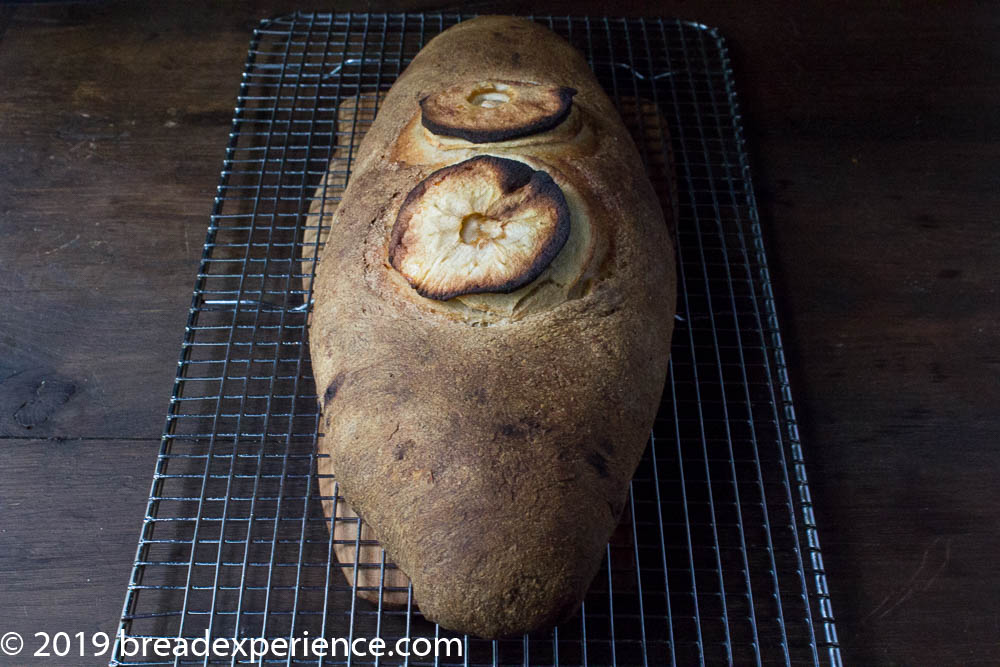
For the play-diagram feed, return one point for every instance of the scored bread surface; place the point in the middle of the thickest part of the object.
(488, 439)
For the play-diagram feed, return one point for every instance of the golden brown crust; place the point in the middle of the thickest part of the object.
(491, 454)
(357, 550)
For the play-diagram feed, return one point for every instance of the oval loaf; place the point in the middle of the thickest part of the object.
(491, 326)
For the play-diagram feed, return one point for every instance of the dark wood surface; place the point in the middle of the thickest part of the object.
(874, 137)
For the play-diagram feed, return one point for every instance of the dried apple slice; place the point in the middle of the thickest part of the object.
(490, 111)
(487, 224)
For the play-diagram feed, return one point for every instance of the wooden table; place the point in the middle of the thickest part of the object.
(874, 137)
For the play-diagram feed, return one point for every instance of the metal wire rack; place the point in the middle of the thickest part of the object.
(718, 559)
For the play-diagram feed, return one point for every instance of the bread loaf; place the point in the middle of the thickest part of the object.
(491, 325)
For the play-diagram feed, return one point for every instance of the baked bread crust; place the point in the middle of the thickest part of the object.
(490, 448)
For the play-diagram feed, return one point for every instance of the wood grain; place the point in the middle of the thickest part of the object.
(873, 134)
(71, 511)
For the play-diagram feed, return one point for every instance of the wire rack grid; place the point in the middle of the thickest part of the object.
(717, 560)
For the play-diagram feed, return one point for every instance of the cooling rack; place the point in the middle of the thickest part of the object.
(718, 559)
